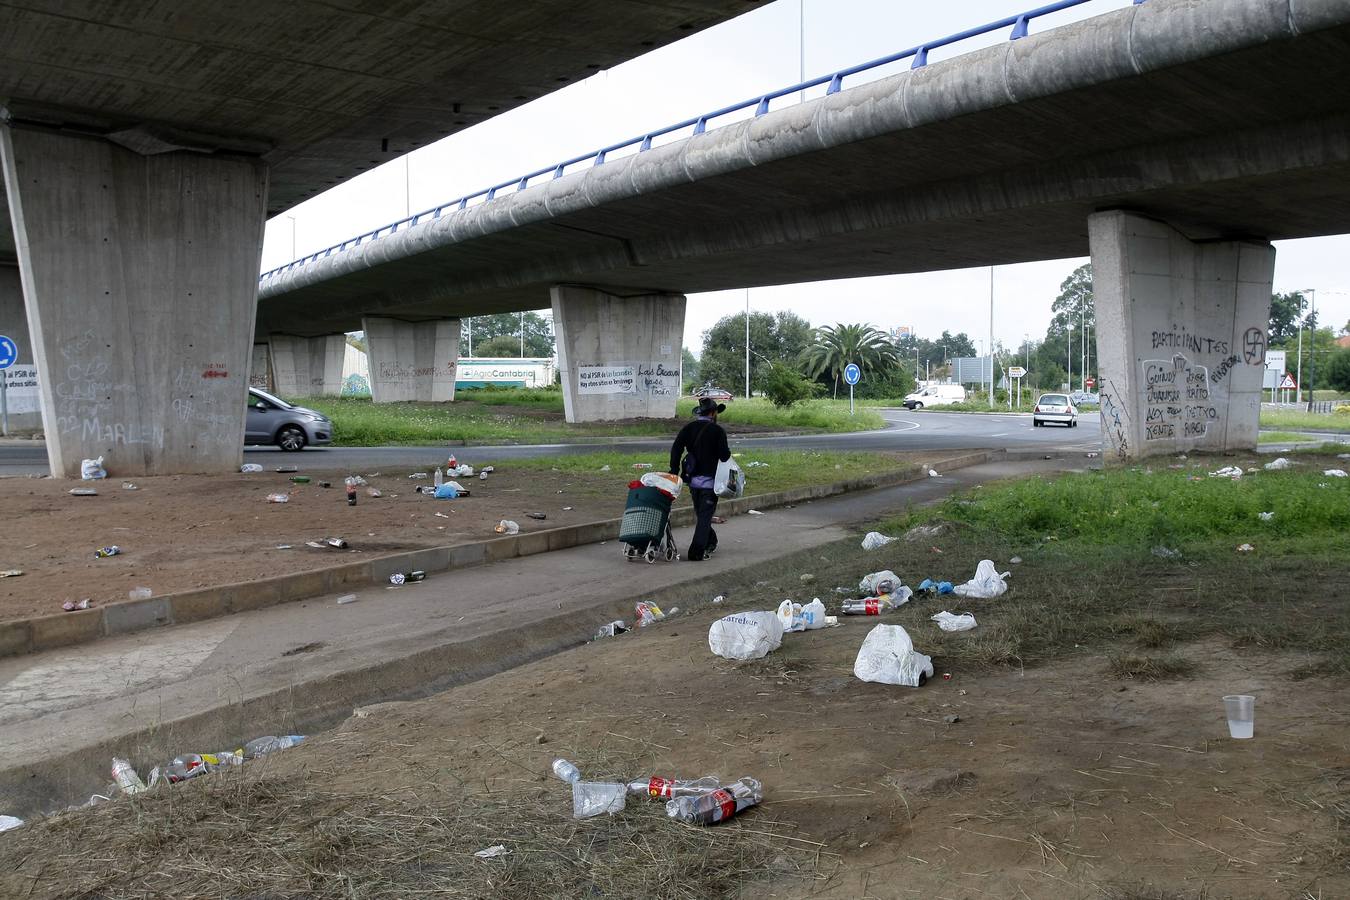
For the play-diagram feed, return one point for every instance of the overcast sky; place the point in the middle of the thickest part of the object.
(750, 55)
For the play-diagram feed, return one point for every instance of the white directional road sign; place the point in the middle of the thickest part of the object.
(9, 352)
(1016, 371)
(852, 373)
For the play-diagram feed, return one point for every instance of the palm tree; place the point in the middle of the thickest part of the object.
(838, 345)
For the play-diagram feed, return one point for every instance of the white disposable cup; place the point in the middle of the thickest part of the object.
(1241, 710)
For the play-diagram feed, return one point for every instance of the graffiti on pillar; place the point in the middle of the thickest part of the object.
(86, 397)
(1177, 401)
(1254, 347)
(1115, 421)
(658, 380)
(607, 379)
(356, 385)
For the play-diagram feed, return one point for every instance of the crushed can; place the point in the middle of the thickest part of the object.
(105, 552)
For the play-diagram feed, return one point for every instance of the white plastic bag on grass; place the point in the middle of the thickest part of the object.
(1335, 473)
(878, 583)
(952, 622)
(888, 656)
(986, 584)
(874, 540)
(745, 635)
(92, 469)
(1276, 464)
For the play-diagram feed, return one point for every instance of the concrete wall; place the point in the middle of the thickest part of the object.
(1181, 336)
(260, 368)
(619, 355)
(140, 277)
(412, 360)
(25, 408)
(307, 367)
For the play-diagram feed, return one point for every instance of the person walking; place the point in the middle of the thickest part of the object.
(702, 444)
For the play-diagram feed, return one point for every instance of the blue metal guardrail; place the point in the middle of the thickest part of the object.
(1018, 23)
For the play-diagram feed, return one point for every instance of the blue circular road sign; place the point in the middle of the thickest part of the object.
(9, 352)
(852, 374)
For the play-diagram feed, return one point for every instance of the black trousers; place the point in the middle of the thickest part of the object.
(705, 538)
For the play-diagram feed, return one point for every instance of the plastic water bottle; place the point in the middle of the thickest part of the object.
(125, 775)
(666, 788)
(264, 745)
(438, 478)
(716, 806)
(566, 771)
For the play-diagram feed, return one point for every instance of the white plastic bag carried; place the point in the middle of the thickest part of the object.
(952, 622)
(729, 480)
(92, 469)
(671, 484)
(875, 539)
(888, 656)
(986, 584)
(745, 635)
(878, 583)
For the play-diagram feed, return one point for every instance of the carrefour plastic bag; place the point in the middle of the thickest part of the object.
(887, 656)
(986, 584)
(745, 635)
(729, 480)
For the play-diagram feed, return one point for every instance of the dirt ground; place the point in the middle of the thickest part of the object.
(1054, 782)
(178, 533)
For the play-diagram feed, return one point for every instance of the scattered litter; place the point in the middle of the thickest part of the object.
(926, 532)
(487, 469)
(346, 598)
(250, 468)
(11, 573)
(506, 526)
(604, 468)
(419, 475)
(537, 515)
(328, 544)
(801, 617)
(807, 578)
(1335, 473)
(283, 546)
(492, 852)
(140, 593)
(1343, 455)
(92, 469)
(871, 606)
(441, 515)
(642, 465)
(986, 584)
(287, 469)
(373, 492)
(9, 822)
(278, 498)
(613, 629)
(446, 491)
(952, 622)
(929, 586)
(190, 766)
(592, 798)
(567, 509)
(874, 540)
(1016, 560)
(756, 464)
(1277, 464)
(1165, 552)
(566, 771)
(745, 635)
(887, 656)
(716, 806)
(1092, 454)
(718, 599)
(83, 492)
(124, 774)
(1233, 472)
(935, 550)
(647, 613)
(105, 552)
(482, 476)
(299, 479)
(753, 512)
(879, 583)
(951, 720)
(932, 473)
(719, 520)
(658, 788)
(1266, 516)
(1245, 548)
(129, 486)
(73, 605)
(408, 577)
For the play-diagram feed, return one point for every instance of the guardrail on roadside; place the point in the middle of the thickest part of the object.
(1019, 23)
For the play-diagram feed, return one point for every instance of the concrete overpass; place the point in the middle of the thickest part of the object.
(1228, 120)
(144, 144)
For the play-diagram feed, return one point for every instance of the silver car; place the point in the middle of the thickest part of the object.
(272, 420)
(1054, 408)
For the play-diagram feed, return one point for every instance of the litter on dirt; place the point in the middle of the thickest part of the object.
(492, 852)
(874, 540)
(986, 584)
(953, 622)
(1277, 464)
(11, 573)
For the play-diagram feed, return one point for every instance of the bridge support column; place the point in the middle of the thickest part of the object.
(412, 360)
(1181, 336)
(25, 413)
(307, 367)
(619, 353)
(260, 368)
(140, 275)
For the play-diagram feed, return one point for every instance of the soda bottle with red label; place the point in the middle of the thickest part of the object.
(716, 806)
(659, 788)
(873, 606)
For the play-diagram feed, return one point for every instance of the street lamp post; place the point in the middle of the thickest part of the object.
(747, 343)
(1312, 351)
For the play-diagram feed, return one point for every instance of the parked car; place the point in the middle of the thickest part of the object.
(1083, 398)
(1054, 408)
(272, 420)
(935, 395)
(713, 393)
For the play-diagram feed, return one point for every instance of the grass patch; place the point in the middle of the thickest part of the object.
(1150, 668)
(1298, 420)
(1283, 437)
(533, 416)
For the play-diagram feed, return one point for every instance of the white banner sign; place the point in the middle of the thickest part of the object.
(606, 379)
(22, 389)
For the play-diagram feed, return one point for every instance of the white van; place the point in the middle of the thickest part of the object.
(936, 395)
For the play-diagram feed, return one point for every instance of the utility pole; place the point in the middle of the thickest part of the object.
(747, 343)
(522, 334)
(1312, 352)
(991, 337)
(292, 218)
(470, 336)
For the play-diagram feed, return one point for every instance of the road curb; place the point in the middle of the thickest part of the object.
(33, 635)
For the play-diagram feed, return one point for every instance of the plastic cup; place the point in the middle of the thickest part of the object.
(1241, 710)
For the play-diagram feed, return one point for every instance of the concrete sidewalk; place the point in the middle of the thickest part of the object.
(303, 666)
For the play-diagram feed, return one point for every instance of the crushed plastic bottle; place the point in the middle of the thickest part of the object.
(667, 788)
(716, 806)
(125, 775)
(566, 771)
(270, 743)
(592, 798)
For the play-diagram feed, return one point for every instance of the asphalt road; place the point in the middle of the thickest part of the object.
(905, 431)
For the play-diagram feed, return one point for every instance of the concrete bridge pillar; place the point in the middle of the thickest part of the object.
(307, 367)
(1181, 336)
(260, 368)
(25, 412)
(619, 354)
(140, 275)
(412, 360)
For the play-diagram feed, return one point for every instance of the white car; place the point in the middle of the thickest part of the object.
(935, 395)
(1054, 408)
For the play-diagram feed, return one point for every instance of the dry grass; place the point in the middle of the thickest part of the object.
(1150, 668)
(245, 834)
